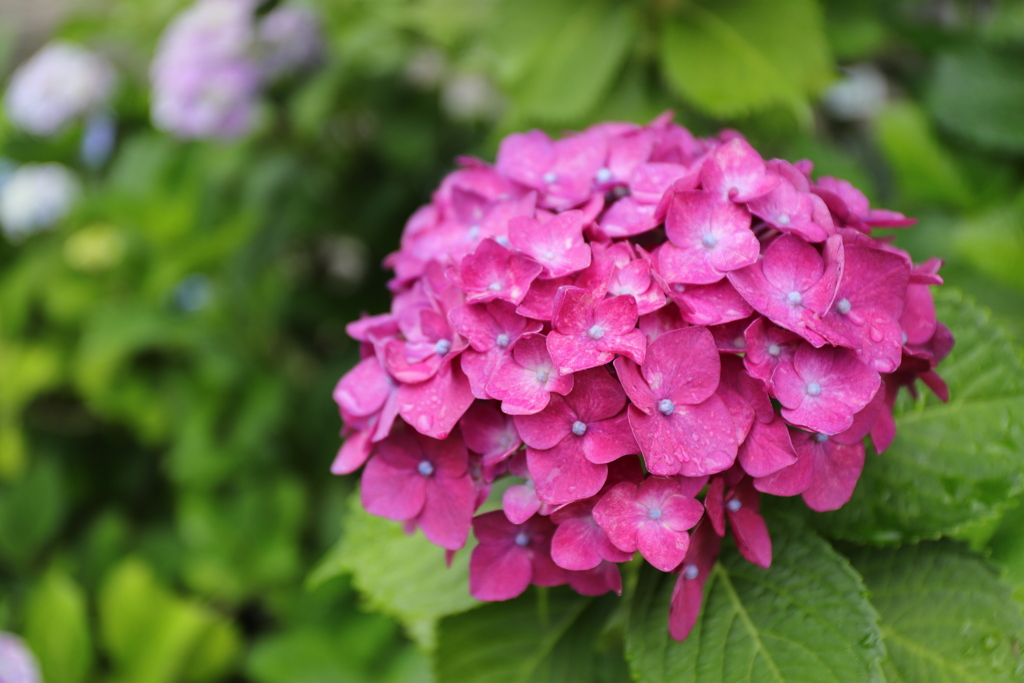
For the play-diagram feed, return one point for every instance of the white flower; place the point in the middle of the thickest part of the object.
(59, 83)
(34, 197)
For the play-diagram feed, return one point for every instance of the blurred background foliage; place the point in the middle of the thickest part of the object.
(167, 352)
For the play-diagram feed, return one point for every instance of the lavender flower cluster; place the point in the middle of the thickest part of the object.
(650, 331)
(215, 59)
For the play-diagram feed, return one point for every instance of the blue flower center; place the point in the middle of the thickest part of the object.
(654, 513)
(595, 332)
(442, 347)
(691, 572)
(426, 468)
(550, 177)
(843, 306)
(783, 219)
(733, 505)
(666, 406)
(542, 376)
(774, 349)
(603, 175)
(709, 241)
(502, 340)
(579, 428)
(813, 389)
(522, 539)
(821, 438)
(794, 298)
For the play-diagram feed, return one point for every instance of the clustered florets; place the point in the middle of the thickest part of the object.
(631, 290)
(216, 57)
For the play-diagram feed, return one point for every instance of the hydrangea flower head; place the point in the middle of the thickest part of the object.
(58, 84)
(646, 332)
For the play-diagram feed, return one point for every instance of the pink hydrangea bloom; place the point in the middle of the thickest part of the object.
(570, 442)
(413, 477)
(682, 426)
(625, 295)
(652, 518)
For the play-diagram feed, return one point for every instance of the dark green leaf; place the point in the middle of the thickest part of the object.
(946, 618)
(806, 618)
(540, 637)
(979, 95)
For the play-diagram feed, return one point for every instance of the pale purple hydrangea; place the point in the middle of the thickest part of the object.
(648, 331)
(35, 197)
(57, 85)
(215, 58)
(17, 663)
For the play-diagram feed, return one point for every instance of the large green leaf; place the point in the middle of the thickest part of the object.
(953, 466)
(402, 575)
(807, 618)
(571, 72)
(946, 618)
(731, 57)
(540, 637)
(979, 95)
(994, 242)
(57, 628)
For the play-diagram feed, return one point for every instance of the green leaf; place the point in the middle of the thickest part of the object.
(57, 629)
(946, 617)
(153, 636)
(806, 618)
(399, 574)
(951, 465)
(1007, 546)
(31, 511)
(570, 73)
(924, 170)
(979, 95)
(994, 242)
(731, 57)
(540, 637)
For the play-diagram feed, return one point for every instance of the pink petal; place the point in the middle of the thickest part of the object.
(353, 453)
(595, 396)
(682, 365)
(689, 589)
(618, 514)
(392, 493)
(627, 217)
(556, 244)
(448, 511)
(661, 546)
(435, 406)
(520, 502)
(713, 237)
(736, 172)
(563, 475)
(693, 441)
(499, 572)
(767, 449)
(713, 304)
(609, 440)
(597, 581)
(547, 428)
(837, 468)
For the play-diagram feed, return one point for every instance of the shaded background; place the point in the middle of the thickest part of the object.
(167, 350)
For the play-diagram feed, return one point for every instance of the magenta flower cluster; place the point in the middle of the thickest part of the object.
(648, 331)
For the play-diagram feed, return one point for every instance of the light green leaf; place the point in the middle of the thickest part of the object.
(153, 636)
(946, 618)
(401, 575)
(539, 637)
(570, 73)
(994, 242)
(731, 57)
(924, 170)
(979, 95)
(952, 464)
(57, 629)
(807, 618)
